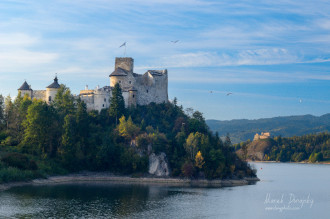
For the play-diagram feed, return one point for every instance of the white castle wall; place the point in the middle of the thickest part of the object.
(50, 94)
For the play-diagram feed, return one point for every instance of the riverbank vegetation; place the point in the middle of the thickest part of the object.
(39, 139)
(308, 148)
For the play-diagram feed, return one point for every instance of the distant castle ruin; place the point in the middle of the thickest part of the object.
(137, 89)
(264, 135)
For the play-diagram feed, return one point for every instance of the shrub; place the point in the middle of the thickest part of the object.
(19, 161)
(188, 169)
(13, 174)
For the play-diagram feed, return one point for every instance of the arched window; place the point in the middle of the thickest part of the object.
(133, 96)
(147, 91)
(49, 98)
(105, 100)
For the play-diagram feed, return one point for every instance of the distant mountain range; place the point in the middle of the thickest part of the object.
(286, 126)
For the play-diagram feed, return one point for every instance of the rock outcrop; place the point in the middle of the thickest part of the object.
(257, 149)
(158, 165)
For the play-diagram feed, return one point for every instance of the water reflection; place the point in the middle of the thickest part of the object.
(105, 200)
(81, 200)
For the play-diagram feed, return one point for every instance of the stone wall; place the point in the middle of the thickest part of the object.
(39, 95)
(97, 99)
(152, 88)
(125, 63)
(28, 92)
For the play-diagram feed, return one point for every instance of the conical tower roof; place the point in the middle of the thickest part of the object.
(54, 84)
(24, 86)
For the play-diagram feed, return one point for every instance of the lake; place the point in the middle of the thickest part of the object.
(286, 190)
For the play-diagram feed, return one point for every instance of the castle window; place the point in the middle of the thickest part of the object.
(105, 100)
(133, 96)
(119, 82)
(147, 91)
(130, 82)
(103, 105)
(49, 98)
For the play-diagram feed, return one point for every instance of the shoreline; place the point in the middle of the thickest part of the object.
(302, 162)
(110, 178)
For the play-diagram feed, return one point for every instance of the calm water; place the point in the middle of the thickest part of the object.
(285, 191)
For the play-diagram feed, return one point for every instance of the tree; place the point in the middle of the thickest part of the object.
(82, 123)
(244, 150)
(69, 151)
(192, 143)
(41, 134)
(199, 160)
(188, 169)
(127, 128)
(64, 101)
(2, 108)
(117, 105)
(9, 112)
(227, 142)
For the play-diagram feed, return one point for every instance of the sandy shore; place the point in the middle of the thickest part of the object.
(101, 177)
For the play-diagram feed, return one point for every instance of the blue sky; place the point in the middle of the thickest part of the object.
(274, 56)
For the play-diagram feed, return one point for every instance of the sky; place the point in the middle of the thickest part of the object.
(273, 56)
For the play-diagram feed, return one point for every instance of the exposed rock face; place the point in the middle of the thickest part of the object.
(257, 149)
(158, 165)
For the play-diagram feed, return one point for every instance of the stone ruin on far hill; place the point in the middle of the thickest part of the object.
(264, 135)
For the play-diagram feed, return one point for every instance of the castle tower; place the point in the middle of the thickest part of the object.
(123, 73)
(25, 89)
(126, 63)
(51, 91)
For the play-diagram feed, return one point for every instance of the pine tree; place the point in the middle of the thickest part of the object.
(117, 105)
(2, 107)
(82, 123)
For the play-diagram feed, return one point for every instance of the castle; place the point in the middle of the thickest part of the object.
(137, 89)
(264, 135)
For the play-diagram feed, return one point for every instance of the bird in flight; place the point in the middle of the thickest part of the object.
(211, 91)
(174, 41)
(229, 94)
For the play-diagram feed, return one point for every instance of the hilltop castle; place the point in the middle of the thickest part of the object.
(137, 89)
(264, 135)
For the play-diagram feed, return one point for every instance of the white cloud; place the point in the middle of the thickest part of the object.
(267, 56)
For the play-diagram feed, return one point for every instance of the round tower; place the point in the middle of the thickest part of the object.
(51, 91)
(25, 89)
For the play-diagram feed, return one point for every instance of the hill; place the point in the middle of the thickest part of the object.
(37, 138)
(256, 150)
(307, 148)
(286, 126)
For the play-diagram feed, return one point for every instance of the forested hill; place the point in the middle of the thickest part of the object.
(39, 139)
(286, 126)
